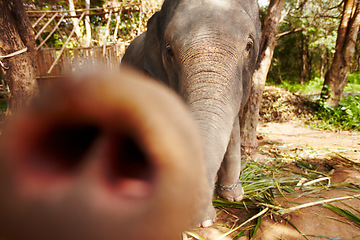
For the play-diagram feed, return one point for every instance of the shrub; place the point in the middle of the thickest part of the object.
(344, 117)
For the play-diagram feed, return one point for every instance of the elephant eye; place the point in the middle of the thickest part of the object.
(169, 50)
(249, 46)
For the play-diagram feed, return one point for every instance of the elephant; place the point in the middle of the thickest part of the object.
(94, 158)
(206, 50)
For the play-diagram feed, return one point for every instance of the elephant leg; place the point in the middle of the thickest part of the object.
(228, 185)
(210, 215)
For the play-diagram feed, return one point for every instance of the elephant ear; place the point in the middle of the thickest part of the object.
(153, 63)
(135, 55)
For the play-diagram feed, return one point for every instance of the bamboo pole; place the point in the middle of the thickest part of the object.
(43, 28)
(37, 22)
(140, 17)
(64, 46)
(51, 33)
(107, 32)
(117, 25)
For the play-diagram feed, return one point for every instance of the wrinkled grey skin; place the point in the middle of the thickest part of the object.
(206, 51)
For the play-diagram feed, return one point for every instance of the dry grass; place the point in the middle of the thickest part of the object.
(280, 105)
(282, 178)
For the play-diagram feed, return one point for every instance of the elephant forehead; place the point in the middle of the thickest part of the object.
(206, 27)
(211, 8)
(217, 3)
(199, 16)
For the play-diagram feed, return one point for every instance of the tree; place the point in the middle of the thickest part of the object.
(19, 70)
(336, 77)
(85, 41)
(306, 41)
(250, 115)
(87, 25)
(74, 19)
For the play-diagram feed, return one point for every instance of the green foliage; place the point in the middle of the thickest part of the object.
(3, 105)
(353, 84)
(354, 78)
(312, 45)
(344, 117)
(315, 85)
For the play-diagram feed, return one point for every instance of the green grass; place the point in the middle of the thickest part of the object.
(314, 86)
(352, 88)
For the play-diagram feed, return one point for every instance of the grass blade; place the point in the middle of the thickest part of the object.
(254, 230)
(240, 234)
(292, 209)
(194, 235)
(345, 213)
(244, 223)
(332, 238)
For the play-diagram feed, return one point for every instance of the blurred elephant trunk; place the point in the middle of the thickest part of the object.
(102, 157)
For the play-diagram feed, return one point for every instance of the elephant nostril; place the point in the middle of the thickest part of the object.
(129, 170)
(61, 148)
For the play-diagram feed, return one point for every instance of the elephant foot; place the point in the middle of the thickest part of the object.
(209, 218)
(233, 193)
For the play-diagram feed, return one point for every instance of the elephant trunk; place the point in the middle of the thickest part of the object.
(104, 157)
(212, 90)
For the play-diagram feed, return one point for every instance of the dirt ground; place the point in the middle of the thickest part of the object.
(316, 222)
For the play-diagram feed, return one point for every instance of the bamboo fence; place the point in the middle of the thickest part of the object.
(69, 60)
(107, 43)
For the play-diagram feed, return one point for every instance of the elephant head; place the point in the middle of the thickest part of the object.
(105, 156)
(206, 51)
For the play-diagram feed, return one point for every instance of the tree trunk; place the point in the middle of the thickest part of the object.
(75, 20)
(304, 57)
(309, 65)
(20, 70)
(87, 25)
(323, 63)
(355, 62)
(250, 114)
(336, 77)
